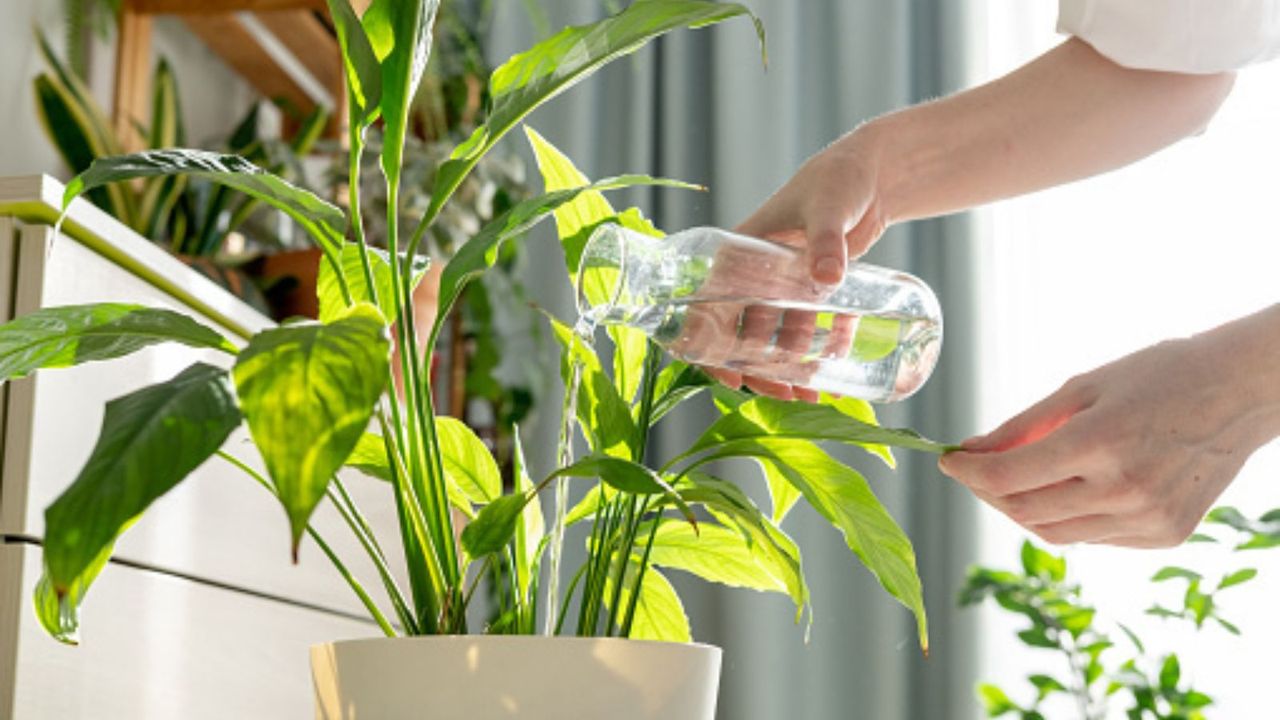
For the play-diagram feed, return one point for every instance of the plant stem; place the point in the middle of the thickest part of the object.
(360, 528)
(355, 585)
(564, 456)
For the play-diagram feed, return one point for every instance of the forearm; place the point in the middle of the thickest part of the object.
(1069, 114)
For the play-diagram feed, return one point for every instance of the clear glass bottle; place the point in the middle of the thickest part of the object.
(718, 299)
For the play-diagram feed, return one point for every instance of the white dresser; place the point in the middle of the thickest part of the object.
(201, 614)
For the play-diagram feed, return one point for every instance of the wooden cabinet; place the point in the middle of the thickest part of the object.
(202, 614)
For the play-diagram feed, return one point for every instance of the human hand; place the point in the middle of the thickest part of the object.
(1133, 453)
(830, 207)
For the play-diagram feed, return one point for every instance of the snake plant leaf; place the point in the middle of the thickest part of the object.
(574, 222)
(659, 614)
(400, 34)
(329, 290)
(603, 415)
(767, 417)
(363, 71)
(842, 496)
(160, 194)
(308, 392)
(150, 440)
(531, 78)
(533, 525)
(67, 127)
(468, 462)
(322, 220)
(60, 337)
(481, 252)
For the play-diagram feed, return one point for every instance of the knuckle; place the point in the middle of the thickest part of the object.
(1052, 535)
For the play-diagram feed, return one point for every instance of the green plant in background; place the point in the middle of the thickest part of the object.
(79, 17)
(1100, 675)
(309, 392)
(190, 216)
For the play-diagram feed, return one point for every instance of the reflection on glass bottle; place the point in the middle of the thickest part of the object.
(718, 299)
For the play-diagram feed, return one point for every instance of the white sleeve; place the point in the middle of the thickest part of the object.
(1190, 36)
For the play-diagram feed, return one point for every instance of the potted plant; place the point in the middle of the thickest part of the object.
(310, 392)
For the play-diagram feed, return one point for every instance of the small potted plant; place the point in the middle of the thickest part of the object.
(310, 392)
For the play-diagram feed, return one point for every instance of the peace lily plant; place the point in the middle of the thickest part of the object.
(317, 396)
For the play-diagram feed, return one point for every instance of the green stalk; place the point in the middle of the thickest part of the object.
(630, 615)
(568, 595)
(370, 606)
(628, 540)
(413, 529)
(360, 528)
(355, 211)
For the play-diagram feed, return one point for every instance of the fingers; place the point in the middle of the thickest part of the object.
(827, 249)
(1065, 453)
(1036, 422)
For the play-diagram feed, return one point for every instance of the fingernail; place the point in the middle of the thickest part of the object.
(974, 442)
(829, 269)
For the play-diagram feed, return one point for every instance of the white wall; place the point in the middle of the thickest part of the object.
(213, 97)
(1081, 275)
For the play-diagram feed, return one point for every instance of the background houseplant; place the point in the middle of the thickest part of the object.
(1105, 675)
(308, 392)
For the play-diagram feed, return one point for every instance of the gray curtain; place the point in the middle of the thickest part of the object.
(698, 106)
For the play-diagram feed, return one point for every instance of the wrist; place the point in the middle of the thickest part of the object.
(1246, 353)
(888, 146)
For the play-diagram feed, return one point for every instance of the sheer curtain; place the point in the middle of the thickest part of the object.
(698, 106)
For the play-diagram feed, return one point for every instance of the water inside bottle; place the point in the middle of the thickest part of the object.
(881, 358)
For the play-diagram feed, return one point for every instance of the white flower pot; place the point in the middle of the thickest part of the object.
(491, 677)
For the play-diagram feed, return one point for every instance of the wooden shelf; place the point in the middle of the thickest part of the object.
(285, 49)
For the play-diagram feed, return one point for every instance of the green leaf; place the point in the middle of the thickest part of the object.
(60, 615)
(1036, 637)
(994, 701)
(1162, 612)
(589, 504)
(774, 551)
(764, 417)
(323, 221)
(713, 553)
(842, 496)
(533, 526)
(574, 220)
(1046, 686)
(629, 477)
(363, 71)
(329, 290)
(308, 391)
(782, 494)
(862, 411)
(1169, 573)
(1238, 577)
(1230, 517)
(400, 34)
(370, 457)
(1133, 638)
(1038, 563)
(676, 383)
(468, 462)
(150, 440)
(876, 338)
(61, 337)
(554, 65)
(1201, 538)
(1228, 626)
(659, 612)
(481, 252)
(1170, 673)
(494, 526)
(604, 416)
(67, 128)
(1195, 699)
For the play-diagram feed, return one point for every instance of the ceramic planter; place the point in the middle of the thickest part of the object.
(532, 678)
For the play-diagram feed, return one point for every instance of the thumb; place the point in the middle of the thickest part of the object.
(828, 253)
(1033, 423)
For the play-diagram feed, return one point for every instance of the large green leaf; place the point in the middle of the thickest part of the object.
(329, 290)
(659, 612)
(714, 553)
(399, 32)
(468, 462)
(308, 392)
(495, 525)
(765, 417)
(574, 220)
(59, 615)
(629, 477)
(150, 440)
(558, 63)
(481, 252)
(363, 71)
(322, 220)
(842, 496)
(603, 414)
(61, 337)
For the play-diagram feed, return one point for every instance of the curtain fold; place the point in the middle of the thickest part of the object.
(698, 106)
